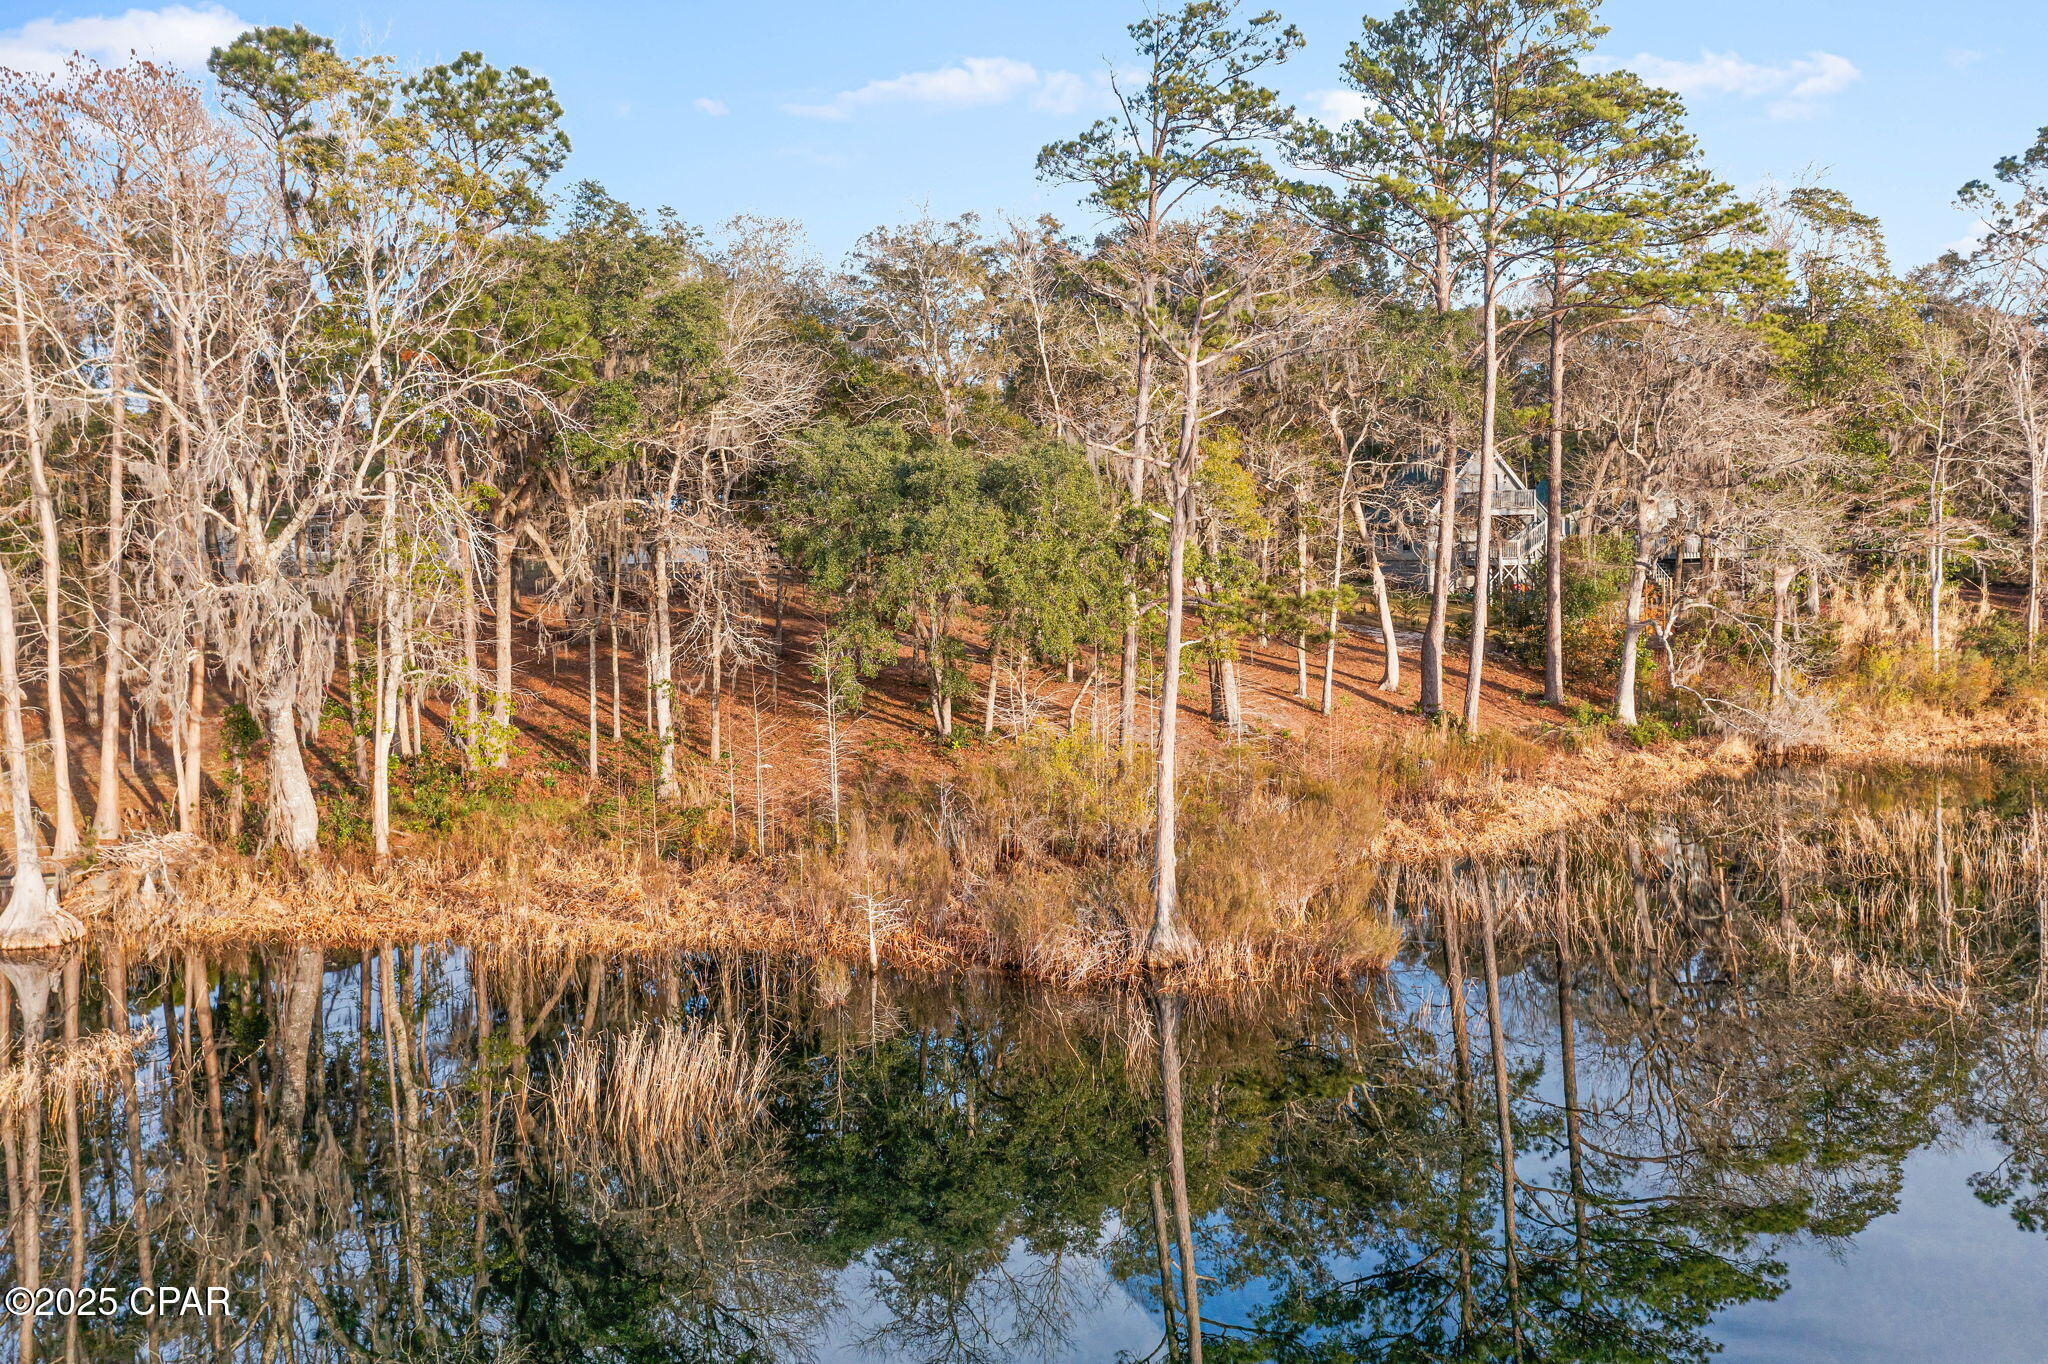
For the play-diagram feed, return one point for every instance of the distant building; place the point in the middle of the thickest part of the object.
(1408, 519)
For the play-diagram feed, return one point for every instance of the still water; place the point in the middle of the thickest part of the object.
(1774, 1085)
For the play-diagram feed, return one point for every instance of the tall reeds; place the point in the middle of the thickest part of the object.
(659, 1103)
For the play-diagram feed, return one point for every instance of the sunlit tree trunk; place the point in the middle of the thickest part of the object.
(590, 691)
(294, 820)
(32, 917)
(1443, 565)
(468, 680)
(1301, 589)
(64, 809)
(1330, 626)
(106, 813)
(389, 670)
(1937, 548)
(1553, 522)
(1166, 937)
(1489, 403)
(660, 659)
(501, 613)
(1781, 606)
(1632, 625)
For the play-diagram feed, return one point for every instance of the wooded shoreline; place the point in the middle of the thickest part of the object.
(561, 899)
(377, 508)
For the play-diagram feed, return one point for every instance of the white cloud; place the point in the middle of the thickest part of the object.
(1961, 58)
(973, 82)
(714, 107)
(1063, 92)
(1799, 86)
(176, 35)
(1968, 243)
(1337, 107)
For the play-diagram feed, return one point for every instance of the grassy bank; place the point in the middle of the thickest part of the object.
(1030, 857)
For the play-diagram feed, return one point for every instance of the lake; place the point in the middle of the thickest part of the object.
(1763, 1075)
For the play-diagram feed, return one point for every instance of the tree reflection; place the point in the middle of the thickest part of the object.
(1582, 1119)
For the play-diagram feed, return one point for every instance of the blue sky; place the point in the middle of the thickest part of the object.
(846, 115)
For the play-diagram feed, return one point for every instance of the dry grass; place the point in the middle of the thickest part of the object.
(85, 1068)
(1032, 861)
(659, 1103)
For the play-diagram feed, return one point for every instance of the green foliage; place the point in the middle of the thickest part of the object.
(629, 298)
(435, 792)
(240, 731)
(274, 75)
(1596, 573)
(1190, 124)
(494, 141)
(906, 533)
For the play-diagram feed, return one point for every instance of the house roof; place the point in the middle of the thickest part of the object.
(1422, 469)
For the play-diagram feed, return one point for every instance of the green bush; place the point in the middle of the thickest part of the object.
(1596, 570)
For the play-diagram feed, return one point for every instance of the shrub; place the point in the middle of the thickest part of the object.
(1596, 570)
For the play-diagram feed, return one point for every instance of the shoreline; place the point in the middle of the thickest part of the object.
(1576, 788)
(563, 900)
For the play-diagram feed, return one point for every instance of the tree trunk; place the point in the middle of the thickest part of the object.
(293, 817)
(469, 682)
(32, 918)
(501, 611)
(1127, 682)
(1632, 629)
(1444, 554)
(1781, 605)
(106, 813)
(1443, 567)
(617, 732)
(1937, 553)
(1390, 672)
(1141, 447)
(1553, 527)
(717, 695)
(590, 681)
(660, 660)
(195, 736)
(1301, 587)
(1482, 542)
(2037, 494)
(359, 754)
(390, 661)
(988, 700)
(64, 811)
(1331, 626)
(1166, 938)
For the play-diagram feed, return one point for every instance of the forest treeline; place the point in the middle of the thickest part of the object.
(313, 371)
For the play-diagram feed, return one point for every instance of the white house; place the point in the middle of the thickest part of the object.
(1408, 516)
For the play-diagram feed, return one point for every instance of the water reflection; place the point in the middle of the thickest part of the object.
(1616, 1091)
